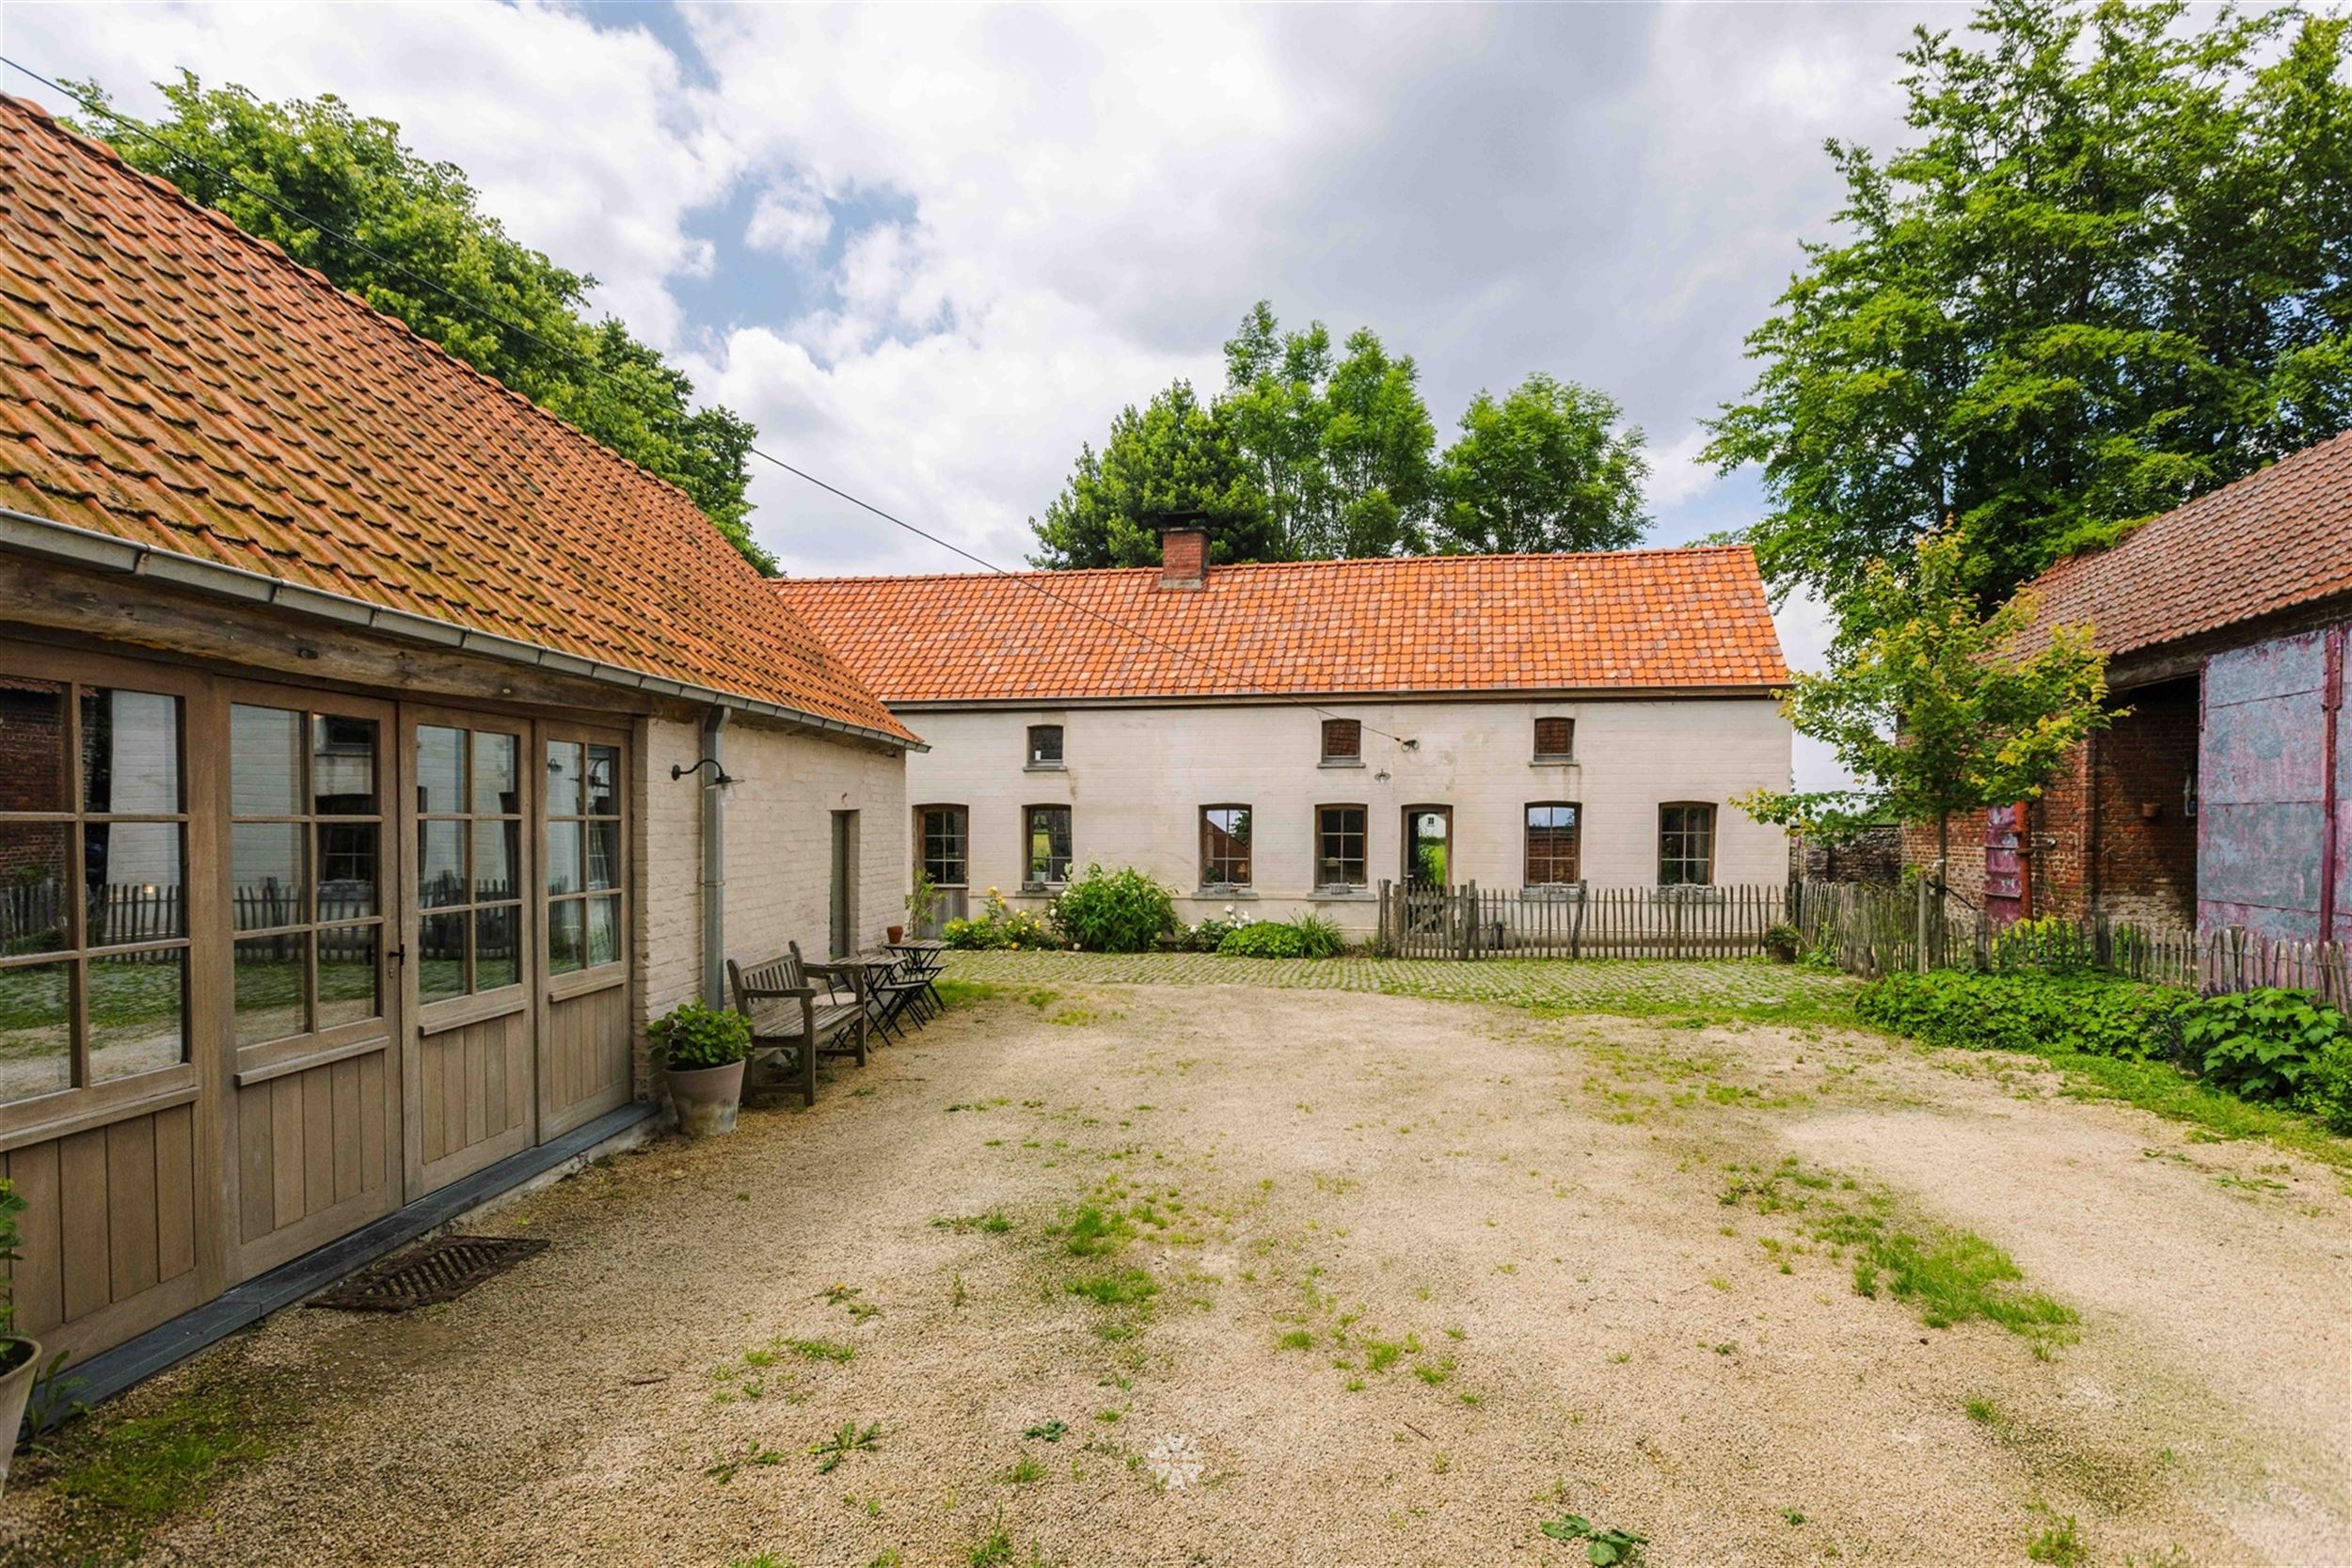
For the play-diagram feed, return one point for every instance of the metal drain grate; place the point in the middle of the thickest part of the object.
(437, 1272)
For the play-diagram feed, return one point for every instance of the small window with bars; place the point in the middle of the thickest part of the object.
(1343, 740)
(1555, 739)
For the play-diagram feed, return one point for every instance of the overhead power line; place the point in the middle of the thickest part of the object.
(476, 307)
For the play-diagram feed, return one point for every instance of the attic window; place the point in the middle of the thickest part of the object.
(1343, 740)
(1044, 745)
(1555, 739)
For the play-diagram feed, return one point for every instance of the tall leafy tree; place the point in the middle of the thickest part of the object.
(1171, 460)
(1341, 447)
(2112, 269)
(356, 175)
(1932, 707)
(1546, 467)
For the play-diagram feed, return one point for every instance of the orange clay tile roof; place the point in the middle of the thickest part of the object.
(2274, 540)
(1653, 620)
(172, 381)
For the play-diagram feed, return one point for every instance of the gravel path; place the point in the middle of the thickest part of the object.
(1303, 1277)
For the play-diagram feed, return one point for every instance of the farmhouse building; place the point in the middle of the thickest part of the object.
(1286, 737)
(2223, 797)
(360, 731)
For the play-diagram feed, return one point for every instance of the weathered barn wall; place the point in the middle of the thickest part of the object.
(2266, 798)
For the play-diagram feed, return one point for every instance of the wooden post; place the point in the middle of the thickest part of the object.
(1920, 922)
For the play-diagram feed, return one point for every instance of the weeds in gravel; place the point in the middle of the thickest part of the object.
(1949, 1276)
(842, 1444)
(756, 1454)
(994, 1222)
(138, 1472)
(1024, 1472)
(1602, 1547)
(820, 1349)
(2057, 1544)
(1048, 1432)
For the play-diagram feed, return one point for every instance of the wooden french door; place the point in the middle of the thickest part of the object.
(469, 923)
(585, 1040)
(310, 881)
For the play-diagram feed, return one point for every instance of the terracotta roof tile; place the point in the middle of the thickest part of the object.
(1642, 619)
(2274, 540)
(172, 381)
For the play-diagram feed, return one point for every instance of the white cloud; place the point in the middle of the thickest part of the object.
(790, 220)
(1676, 475)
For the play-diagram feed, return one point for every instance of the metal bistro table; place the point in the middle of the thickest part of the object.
(923, 957)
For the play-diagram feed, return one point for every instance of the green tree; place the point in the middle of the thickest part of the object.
(1173, 459)
(2113, 270)
(1340, 447)
(356, 175)
(1933, 708)
(1546, 469)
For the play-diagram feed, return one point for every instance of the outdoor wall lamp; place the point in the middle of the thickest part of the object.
(722, 778)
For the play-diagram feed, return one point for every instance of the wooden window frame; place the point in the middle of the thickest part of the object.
(1061, 748)
(1567, 753)
(474, 1005)
(962, 818)
(1363, 847)
(1576, 844)
(83, 1104)
(589, 977)
(1663, 808)
(1354, 756)
(266, 1059)
(1069, 855)
(1211, 861)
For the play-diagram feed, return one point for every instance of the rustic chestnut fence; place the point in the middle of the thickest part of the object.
(1872, 931)
(1419, 921)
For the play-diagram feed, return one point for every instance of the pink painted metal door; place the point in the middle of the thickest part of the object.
(2004, 865)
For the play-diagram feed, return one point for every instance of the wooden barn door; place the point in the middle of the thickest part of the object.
(2008, 892)
(469, 816)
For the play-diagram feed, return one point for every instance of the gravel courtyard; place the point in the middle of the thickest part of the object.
(1104, 1273)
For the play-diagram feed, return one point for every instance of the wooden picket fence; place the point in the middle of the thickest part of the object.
(1420, 921)
(1870, 931)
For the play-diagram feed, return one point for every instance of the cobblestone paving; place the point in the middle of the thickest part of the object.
(1595, 985)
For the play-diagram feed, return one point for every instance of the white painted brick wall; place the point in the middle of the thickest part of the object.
(779, 828)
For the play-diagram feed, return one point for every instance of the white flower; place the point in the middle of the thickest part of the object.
(1175, 1460)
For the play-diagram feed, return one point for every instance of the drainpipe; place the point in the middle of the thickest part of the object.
(714, 860)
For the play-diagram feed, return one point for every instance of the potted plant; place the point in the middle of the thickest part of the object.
(1783, 942)
(20, 1357)
(922, 903)
(702, 1052)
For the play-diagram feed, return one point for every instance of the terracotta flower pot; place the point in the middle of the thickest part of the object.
(896, 933)
(16, 1387)
(707, 1098)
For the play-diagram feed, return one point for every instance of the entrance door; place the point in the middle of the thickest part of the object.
(584, 1045)
(1428, 845)
(314, 1107)
(468, 935)
(844, 921)
(2008, 896)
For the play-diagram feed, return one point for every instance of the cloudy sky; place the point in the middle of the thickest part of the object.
(929, 252)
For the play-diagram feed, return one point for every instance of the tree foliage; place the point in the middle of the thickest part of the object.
(1310, 454)
(1932, 707)
(356, 175)
(1545, 468)
(2112, 271)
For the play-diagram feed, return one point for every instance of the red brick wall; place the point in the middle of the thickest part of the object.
(2090, 841)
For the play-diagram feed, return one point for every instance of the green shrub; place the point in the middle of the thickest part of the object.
(2326, 1087)
(2093, 1014)
(2049, 945)
(1308, 936)
(1265, 939)
(2260, 1044)
(1114, 911)
(999, 926)
(692, 1037)
(1206, 936)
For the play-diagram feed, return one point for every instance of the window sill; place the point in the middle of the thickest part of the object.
(1342, 896)
(1553, 762)
(1340, 762)
(1040, 890)
(1227, 894)
(1044, 767)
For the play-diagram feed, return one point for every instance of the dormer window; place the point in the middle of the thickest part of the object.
(1045, 746)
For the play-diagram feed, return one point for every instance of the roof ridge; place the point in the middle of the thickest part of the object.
(1224, 569)
(92, 146)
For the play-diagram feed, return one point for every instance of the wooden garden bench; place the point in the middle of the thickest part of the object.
(793, 1023)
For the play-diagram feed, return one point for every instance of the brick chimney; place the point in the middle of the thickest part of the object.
(1184, 557)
